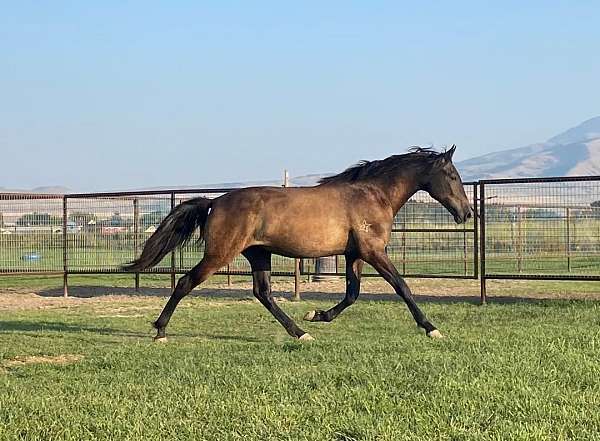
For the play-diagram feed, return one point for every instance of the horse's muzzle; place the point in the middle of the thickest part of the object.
(461, 218)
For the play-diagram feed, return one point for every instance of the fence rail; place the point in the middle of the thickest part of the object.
(539, 228)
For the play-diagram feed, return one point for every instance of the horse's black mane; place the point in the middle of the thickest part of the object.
(417, 157)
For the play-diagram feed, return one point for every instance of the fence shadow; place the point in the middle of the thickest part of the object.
(246, 294)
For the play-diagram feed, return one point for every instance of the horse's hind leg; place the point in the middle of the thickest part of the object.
(260, 261)
(353, 273)
(207, 266)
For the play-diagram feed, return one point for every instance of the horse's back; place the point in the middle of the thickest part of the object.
(305, 221)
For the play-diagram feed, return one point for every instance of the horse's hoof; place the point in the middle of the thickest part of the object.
(435, 334)
(160, 339)
(306, 337)
(309, 316)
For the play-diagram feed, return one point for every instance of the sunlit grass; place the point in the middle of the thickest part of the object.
(513, 371)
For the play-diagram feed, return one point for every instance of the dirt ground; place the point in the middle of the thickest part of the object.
(106, 297)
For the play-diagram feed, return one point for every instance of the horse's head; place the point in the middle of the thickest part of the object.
(443, 183)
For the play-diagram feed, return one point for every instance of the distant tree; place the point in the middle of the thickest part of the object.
(38, 219)
(82, 218)
(595, 204)
(540, 213)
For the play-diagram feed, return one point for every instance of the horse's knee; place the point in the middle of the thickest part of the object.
(184, 285)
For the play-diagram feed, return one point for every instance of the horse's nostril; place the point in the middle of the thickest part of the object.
(469, 214)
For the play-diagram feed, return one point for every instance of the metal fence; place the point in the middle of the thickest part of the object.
(526, 229)
(540, 229)
(31, 228)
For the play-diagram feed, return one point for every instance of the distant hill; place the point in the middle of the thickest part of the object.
(575, 151)
(51, 189)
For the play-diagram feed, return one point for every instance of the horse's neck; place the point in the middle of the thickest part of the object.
(399, 189)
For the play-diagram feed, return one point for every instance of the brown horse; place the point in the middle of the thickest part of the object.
(350, 213)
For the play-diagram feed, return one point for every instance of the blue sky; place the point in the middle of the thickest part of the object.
(116, 95)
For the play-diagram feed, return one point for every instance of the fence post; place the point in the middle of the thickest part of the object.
(568, 240)
(403, 244)
(65, 255)
(172, 252)
(475, 231)
(519, 241)
(465, 252)
(136, 216)
(483, 292)
(296, 297)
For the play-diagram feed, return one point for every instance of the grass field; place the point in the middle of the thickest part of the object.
(85, 368)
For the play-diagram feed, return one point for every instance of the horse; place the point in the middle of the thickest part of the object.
(348, 214)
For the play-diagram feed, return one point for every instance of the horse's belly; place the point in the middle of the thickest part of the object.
(307, 242)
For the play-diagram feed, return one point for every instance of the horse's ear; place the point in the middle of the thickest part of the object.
(449, 153)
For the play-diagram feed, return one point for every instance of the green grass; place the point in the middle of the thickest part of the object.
(505, 371)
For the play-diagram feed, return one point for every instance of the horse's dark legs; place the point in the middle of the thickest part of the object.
(262, 291)
(353, 273)
(382, 263)
(260, 261)
(193, 278)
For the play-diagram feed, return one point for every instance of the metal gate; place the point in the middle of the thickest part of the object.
(540, 229)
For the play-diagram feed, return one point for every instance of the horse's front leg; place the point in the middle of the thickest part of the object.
(353, 272)
(384, 266)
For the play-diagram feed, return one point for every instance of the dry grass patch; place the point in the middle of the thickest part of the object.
(23, 360)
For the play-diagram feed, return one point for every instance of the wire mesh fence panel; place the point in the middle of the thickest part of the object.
(31, 233)
(543, 228)
(107, 231)
(149, 210)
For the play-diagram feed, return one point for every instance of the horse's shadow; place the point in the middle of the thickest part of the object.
(10, 326)
(34, 327)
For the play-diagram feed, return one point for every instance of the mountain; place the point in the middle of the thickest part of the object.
(575, 151)
(49, 189)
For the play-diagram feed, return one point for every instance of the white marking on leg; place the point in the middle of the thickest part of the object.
(435, 334)
(160, 339)
(309, 316)
(306, 337)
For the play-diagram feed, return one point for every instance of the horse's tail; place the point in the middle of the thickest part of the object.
(175, 229)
